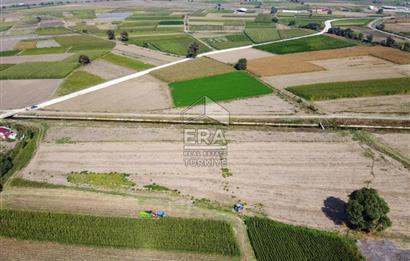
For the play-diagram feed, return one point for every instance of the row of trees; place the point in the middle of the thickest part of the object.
(349, 33)
(123, 35)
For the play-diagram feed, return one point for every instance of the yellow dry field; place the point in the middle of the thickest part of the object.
(300, 62)
(26, 45)
(197, 68)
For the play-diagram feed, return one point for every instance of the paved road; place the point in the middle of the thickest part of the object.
(10, 113)
(372, 25)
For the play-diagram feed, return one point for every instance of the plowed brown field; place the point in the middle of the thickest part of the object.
(300, 62)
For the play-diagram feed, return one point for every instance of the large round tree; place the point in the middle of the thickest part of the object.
(367, 211)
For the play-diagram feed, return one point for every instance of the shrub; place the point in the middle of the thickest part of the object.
(241, 64)
(193, 50)
(84, 59)
(111, 35)
(367, 211)
(124, 37)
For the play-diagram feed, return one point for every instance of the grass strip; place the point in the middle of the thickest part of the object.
(126, 62)
(77, 81)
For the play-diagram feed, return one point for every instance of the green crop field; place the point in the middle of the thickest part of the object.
(260, 35)
(36, 51)
(84, 42)
(228, 41)
(9, 53)
(52, 30)
(112, 181)
(126, 62)
(176, 44)
(314, 43)
(171, 22)
(335, 90)
(46, 70)
(218, 88)
(277, 241)
(172, 234)
(5, 66)
(4, 27)
(352, 22)
(77, 81)
(294, 32)
(84, 14)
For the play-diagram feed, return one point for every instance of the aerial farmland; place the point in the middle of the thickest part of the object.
(205, 130)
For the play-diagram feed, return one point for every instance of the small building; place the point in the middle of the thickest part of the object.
(7, 134)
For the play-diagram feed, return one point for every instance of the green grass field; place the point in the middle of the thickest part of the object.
(168, 234)
(77, 81)
(84, 42)
(9, 53)
(328, 91)
(5, 66)
(175, 44)
(353, 22)
(37, 51)
(277, 241)
(112, 181)
(52, 31)
(314, 43)
(47, 70)
(228, 41)
(126, 62)
(260, 35)
(294, 32)
(227, 86)
(84, 14)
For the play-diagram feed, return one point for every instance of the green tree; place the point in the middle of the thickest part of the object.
(367, 211)
(193, 50)
(124, 36)
(84, 59)
(241, 64)
(111, 35)
(369, 38)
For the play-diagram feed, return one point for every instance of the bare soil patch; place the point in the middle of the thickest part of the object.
(264, 105)
(34, 58)
(286, 176)
(398, 27)
(342, 75)
(394, 104)
(106, 70)
(47, 43)
(193, 69)
(22, 93)
(233, 57)
(146, 55)
(399, 141)
(302, 62)
(137, 95)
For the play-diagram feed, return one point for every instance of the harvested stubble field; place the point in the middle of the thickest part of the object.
(193, 69)
(22, 93)
(107, 70)
(394, 104)
(300, 170)
(233, 57)
(138, 95)
(301, 62)
(396, 141)
(34, 58)
(335, 90)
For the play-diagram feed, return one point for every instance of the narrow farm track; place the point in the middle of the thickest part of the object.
(10, 113)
